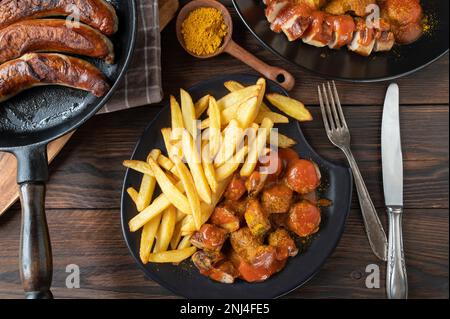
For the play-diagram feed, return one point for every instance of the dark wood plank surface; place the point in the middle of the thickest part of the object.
(86, 178)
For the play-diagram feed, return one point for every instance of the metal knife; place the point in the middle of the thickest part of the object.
(392, 161)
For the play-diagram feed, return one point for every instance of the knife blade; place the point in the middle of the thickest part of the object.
(391, 149)
(392, 165)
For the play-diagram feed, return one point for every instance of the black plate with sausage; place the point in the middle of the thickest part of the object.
(185, 279)
(345, 65)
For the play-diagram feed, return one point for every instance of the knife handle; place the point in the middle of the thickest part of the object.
(396, 279)
(374, 228)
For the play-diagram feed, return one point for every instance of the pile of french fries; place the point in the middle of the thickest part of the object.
(200, 160)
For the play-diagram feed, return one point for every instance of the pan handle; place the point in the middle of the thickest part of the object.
(36, 266)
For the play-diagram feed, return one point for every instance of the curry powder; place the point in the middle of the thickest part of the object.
(203, 31)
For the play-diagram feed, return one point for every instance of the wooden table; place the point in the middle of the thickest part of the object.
(83, 198)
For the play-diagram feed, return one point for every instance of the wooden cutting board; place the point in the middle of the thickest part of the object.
(9, 192)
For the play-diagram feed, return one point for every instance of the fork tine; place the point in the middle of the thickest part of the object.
(339, 106)
(327, 107)
(333, 107)
(322, 108)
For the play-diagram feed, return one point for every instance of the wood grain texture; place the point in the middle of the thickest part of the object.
(8, 167)
(93, 241)
(86, 179)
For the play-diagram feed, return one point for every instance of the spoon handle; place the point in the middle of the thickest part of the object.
(278, 75)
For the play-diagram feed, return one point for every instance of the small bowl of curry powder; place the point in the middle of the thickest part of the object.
(204, 28)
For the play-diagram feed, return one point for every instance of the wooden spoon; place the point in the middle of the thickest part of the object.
(279, 75)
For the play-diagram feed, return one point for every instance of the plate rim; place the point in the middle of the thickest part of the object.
(124, 224)
(327, 76)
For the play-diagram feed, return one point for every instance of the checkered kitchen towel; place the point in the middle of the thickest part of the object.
(142, 83)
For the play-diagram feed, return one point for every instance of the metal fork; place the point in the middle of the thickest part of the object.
(339, 134)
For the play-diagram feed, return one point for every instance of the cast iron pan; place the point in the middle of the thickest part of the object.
(344, 64)
(185, 279)
(28, 122)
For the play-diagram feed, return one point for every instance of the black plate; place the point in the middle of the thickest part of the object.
(185, 279)
(344, 64)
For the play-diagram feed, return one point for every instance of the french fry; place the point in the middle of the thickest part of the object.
(190, 190)
(231, 139)
(139, 166)
(276, 118)
(235, 86)
(180, 215)
(201, 105)
(214, 127)
(188, 111)
(188, 224)
(281, 141)
(133, 193)
(148, 237)
(208, 166)
(210, 174)
(147, 187)
(172, 256)
(247, 112)
(145, 192)
(237, 97)
(172, 193)
(158, 205)
(256, 147)
(262, 84)
(165, 230)
(193, 158)
(154, 153)
(176, 236)
(226, 116)
(291, 107)
(228, 168)
(167, 164)
(176, 118)
(166, 133)
(185, 242)
(172, 149)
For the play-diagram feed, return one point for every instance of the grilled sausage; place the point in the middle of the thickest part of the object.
(304, 218)
(302, 176)
(405, 17)
(284, 244)
(36, 69)
(53, 35)
(209, 237)
(97, 13)
(225, 218)
(236, 188)
(276, 199)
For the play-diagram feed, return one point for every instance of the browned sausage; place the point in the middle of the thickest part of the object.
(304, 218)
(36, 69)
(209, 237)
(225, 218)
(97, 13)
(405, 17)
(302, 176)
(236, 188)
(53, 35)
(277, 199)
(284, 244)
